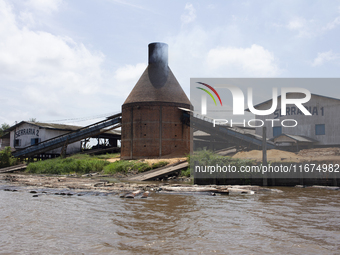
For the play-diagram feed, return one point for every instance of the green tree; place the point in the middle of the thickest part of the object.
(3, 127)
(6, 158)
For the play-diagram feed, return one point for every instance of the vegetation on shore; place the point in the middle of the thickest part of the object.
(185, 173)
(83, 164)
(79, 164)
(6, 158)
(209, 158)
(108, 155)
(127, 165)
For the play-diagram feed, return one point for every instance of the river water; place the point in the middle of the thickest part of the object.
(297, 221)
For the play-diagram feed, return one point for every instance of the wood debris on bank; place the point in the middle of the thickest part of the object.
(122, 189)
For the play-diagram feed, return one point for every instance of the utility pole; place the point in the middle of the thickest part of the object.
(264, 153)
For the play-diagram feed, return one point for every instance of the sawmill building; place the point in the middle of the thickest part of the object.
(320, 129)
(28, 133)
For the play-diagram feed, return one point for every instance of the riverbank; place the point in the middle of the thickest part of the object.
(76, 185)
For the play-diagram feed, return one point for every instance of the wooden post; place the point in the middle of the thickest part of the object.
(264, 153)
(64, 149)
(335, 183)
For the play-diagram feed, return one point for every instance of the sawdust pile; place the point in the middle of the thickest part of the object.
(317, 152)
(170, 160)
(153, 161)
(272, 155)
(307, 155)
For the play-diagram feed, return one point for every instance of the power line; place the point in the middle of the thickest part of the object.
(82, 118)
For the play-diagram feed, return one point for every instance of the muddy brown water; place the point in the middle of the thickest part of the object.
(297, 221)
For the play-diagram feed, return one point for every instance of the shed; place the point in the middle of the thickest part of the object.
(297, 141)
(4, 141)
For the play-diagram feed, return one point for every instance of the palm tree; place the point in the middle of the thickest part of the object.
(34, 120)
(3, 127)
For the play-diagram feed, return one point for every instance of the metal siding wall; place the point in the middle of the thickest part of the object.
(44, 134)
(25, 139)
(71, 148)
(306, 124)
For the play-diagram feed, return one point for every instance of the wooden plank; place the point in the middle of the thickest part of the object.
(160, 172)
(138, 177)
(13, 168)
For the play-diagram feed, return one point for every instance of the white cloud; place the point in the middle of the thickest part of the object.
(308, 28)
(190, 14)
(27, 18)
(296, 23)
(129, 73)
(48, 71)
(48, 60)
(46, 6)
(324, 57)
(333, 24)
(123, 2)
(126, 78)
(43, 58)
(253, 61)
(305, 28)
(187, 54)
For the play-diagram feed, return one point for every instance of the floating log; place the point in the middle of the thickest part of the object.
(195, 189)
(241, 191)
(222, 191)
(145, 194)
(133, 194)
(326, 187)
(123, 194)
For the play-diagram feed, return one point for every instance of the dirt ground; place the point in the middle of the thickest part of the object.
(317, 154)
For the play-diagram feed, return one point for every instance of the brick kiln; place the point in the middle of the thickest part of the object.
(151, 120)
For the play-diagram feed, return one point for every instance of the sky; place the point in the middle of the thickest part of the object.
(76, 61)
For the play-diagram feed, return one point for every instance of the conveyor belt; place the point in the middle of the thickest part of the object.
(74, 136)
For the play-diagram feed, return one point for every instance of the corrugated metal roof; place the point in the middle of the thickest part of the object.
(298, 138)
(46, 125)
(200, 133)
(56, 126)
(270, 100)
